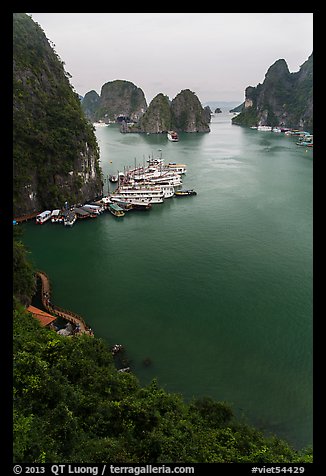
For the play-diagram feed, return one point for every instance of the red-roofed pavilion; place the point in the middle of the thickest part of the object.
(42, 316)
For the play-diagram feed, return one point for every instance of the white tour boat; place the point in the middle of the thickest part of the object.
(178, 168)
(56, 216)
(168, 189)
(43, 217)
(172, 179)
(153, 195)
(134, 204)
(94, 208)
(99, 124)
(172, 136)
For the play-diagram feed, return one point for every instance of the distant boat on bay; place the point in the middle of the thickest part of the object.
(173, 136)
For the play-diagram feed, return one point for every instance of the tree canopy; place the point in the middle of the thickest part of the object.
(71, 404)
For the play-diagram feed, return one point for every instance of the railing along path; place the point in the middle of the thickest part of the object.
(59, 311)
(26, 217)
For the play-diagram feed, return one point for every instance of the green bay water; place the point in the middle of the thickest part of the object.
(214, 289)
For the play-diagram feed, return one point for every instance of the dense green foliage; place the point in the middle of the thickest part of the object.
(72, 405)
(24, 284)
(248, 117)
(118, 97)
(238, 108)
(90, 103)
(187, 113)
(183, 113)
(50, 131)
(157, 118)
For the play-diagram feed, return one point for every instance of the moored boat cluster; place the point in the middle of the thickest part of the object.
(137, 188)
(143, 186)
(304, 138)
(69, 215)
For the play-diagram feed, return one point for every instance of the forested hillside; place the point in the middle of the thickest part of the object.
(71, 404)
(55, 152)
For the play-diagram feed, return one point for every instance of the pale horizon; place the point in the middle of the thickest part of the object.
(215, 55)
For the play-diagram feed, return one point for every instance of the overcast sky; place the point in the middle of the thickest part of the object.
(216, 55)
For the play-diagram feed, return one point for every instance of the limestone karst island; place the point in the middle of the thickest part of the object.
(161, 269)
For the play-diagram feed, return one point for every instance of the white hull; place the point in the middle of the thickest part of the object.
(177, 168)
(69, 222)
(56, 216)
(43, 217)
(134, 194)
(172, 180)
(167, 189)
(70, 218)
(138, 198)
(94, 208)
(172, 136)
(99, 124)
(157, 175)
(132, 201)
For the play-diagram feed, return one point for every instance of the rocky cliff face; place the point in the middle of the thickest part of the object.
(283, 99)
(55, 153)
(90, 103)
(188, 114)
(119, 98)
(185, 113)
(157, 118)
(208, 113)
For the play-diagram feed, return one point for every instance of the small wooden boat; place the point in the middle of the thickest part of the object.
(184, 193)
(83, 213)
(116, 210)
(69, 218)
(113, 178)
(126, 206)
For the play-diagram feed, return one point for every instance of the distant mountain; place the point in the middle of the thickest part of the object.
(118, 98)
(183, 114)
(188, 115)
(90, 104)
(283, 99)
(122, 101)
(156, 119)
